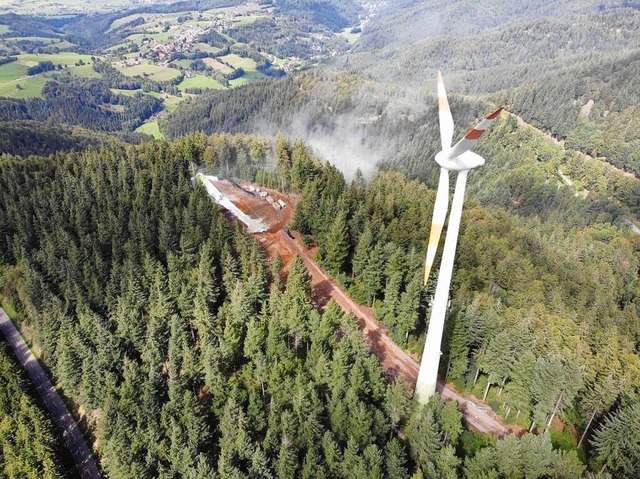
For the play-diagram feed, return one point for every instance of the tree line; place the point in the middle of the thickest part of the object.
(82, 102)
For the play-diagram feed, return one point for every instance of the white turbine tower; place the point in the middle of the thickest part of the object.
(458, 158)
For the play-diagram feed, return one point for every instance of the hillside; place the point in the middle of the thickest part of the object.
(192, 350)
(548, 63)
(192, 379)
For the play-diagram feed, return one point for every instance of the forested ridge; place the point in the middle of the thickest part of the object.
(172, 338)
(569, 68)
(26, 138)
(86, 103)
(191, 354)
(345, 115)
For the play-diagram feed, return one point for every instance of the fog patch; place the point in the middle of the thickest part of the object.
(374, 125)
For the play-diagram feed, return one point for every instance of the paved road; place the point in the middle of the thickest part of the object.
(393, 359)
(77, 445)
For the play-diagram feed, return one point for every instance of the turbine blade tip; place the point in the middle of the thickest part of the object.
(495, 113)
(474, 134)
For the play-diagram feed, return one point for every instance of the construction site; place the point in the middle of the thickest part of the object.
(267, 214)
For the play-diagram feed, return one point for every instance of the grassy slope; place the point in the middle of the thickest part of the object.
(155, 72)
(28, 88)
(237, 61)
(248, 77)
(200, 81)
(12, 71)
(216, 65)
(151, 128)
(84, 71)
(62, 58)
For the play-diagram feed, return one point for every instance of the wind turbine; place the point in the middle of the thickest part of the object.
(458, 158)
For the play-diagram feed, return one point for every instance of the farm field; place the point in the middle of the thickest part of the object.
(161, 37)
(28, 88)
(236, 61)
(200, 81)
(12, 71)
(84, 71)
(62, 58)
(155, 72)
(216, 65)
(205, 47)
(182, 63)
(124, 20)
(63, 45)
(171, 102)
(248, 77)
(151, 128)
(248, 20)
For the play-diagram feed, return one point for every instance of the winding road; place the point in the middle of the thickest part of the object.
(70, 430)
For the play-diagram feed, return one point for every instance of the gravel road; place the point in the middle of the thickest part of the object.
(72, 435)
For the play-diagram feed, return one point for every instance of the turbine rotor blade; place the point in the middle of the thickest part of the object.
(437, 222)
(471, 138)
(444, 114)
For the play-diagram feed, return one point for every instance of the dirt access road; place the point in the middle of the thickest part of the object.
(393, 359)
(72, 435)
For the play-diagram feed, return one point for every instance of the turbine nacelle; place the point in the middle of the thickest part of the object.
(468, 160)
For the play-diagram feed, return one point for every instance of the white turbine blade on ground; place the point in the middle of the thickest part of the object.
(444, 114)
(471, 138)
(437, 221)
(428, 374)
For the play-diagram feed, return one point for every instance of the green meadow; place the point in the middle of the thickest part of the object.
(151, 128)
(216, 65)
(62, 58)
(200, 81)
(171, 102)
(30, 87)
(205, 47)
(248, 77)
(12, 71)
(155, 72)
(237, 61)
(84, 71)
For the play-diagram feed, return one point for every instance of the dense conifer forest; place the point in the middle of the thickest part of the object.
(29, 444)
(189, 353)
(193, 356)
